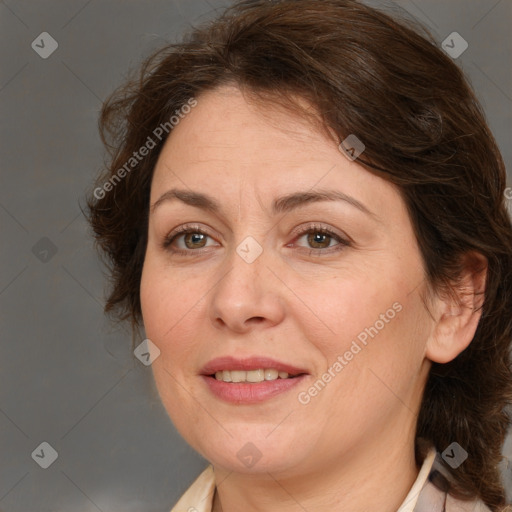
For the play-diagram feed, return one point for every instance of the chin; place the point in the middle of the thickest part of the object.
(250, 453)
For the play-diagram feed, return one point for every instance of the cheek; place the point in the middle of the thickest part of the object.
(169, 310)
(153, 298)
(386, 370)
(373, 324)
(163, 288)
(170, 315)
(173, 310)
(339, 310)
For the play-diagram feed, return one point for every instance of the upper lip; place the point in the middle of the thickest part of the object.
(248, 363)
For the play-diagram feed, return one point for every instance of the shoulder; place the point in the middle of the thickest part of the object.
(456, 505)
(434, 499)
(435, 494)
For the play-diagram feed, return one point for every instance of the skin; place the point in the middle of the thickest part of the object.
(352, 446)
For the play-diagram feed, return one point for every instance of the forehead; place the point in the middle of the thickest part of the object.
(231, 147)
(225, 128)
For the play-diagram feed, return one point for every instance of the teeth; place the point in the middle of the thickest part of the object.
(271, 374)
(237, 376)
(250, 376)
(255, 376)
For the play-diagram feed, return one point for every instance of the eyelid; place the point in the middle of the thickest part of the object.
(320, 227)
(183, 229)
(342, 241)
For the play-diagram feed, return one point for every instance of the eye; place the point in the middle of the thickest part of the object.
(188, 238)
(319, 238)
(315, 239)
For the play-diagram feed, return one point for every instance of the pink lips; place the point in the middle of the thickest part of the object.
(246, 392)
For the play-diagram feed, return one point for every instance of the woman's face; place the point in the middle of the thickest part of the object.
(294, 258)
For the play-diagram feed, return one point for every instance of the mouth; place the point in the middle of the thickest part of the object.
(250, 380)
(250, 369)
(252, 376)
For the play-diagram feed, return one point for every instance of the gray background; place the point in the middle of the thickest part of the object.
(67, 376)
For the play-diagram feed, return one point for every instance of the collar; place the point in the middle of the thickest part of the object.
(199, 496)
(410, 501)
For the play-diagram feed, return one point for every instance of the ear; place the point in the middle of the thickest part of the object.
(457, 314)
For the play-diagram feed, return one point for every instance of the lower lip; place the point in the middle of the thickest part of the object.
(250, 393)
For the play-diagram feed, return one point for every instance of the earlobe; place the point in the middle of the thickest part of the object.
(458, 311)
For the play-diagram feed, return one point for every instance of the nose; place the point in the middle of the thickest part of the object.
(247, 296)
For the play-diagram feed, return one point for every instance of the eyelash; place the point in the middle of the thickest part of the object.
(312, 228)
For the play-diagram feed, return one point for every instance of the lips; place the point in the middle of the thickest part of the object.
(249, 363)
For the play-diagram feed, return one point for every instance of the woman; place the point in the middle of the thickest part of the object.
(305, 211)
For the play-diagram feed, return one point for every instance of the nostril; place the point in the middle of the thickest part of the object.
(256, 319)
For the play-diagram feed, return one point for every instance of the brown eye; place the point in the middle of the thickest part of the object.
(318, 240)
(195, 240)
(188, 239)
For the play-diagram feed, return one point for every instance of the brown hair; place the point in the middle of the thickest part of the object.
(386, 82)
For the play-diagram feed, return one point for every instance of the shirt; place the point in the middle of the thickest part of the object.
(424, 496)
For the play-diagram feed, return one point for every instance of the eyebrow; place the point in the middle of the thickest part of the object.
(282, 204)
